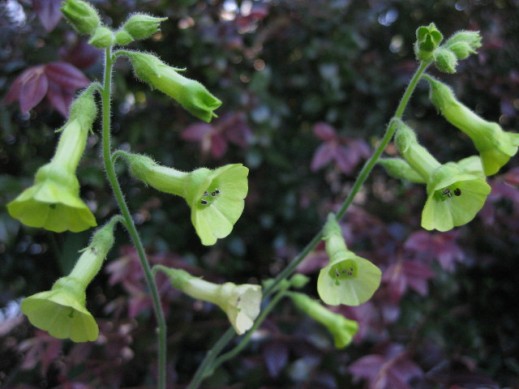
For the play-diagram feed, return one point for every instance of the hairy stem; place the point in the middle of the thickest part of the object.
(128, 221)
(211, 361)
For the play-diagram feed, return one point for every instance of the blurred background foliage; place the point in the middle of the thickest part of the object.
(286, 70)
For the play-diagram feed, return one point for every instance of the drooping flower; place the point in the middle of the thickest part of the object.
(241, 303)
(190, 94)
(348, 279)
(216, 197)
(62, 311)
(342, 329)
(53, 202)
(495, 145)
(456, 192)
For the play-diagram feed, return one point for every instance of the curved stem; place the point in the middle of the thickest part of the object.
(211, 362)
(128, 221)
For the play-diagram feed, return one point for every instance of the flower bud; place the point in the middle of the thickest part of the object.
(343, 330)
(122, 38)
(102, 38)
(81, 15)
(428, 39)
(464, 43)
(190, 94)
(445, 60)
(141, 26)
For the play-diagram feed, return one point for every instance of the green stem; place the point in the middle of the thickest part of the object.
(128, 221)
(211, 362)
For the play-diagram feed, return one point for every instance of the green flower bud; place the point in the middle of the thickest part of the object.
(62, 310)
(428, 39)
(191, 95)
(445, 60)
(142, 26)
(122, 38)
(348, 279)
(399, 168)
(343, 330)
(495, 145)
(81, 15)
(241, 303)
(102, 38)
(216, 197)
(299, 280)
(464, 43)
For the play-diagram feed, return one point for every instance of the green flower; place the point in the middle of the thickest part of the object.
(81, 15)
(495, 145)
(399, 168)
(216, 197)
(456, 192)
(343, 330)
(53, 202)
(190, 94)
(241, 303)
(428, 39)
(141, 26)
(61, 311)
(348, 279)
(454, 197)
(463, 43)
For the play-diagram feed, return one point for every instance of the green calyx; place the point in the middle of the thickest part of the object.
(463, 43)
(81, 15)
(342, 329)
(428, 39)
(102, 38)
(139, 26)
(190, 94)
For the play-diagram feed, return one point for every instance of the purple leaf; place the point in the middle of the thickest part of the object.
(343, 159)
(324, 131)
(197, 132)
(66, 76)
(218, 145)
(33, 88)
(236, 130)
(322, 156)
(48, 12)
(60, 98)
(275, 355)
(441, 247)
(81, 55)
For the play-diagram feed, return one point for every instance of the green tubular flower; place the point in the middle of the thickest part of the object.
(53, 202)
(343, 330)
(348, 279)
(399, 168)
(216, 197)
(495, 145)
(61, 311)
(241, 303)
(190, 94)
(456, 192)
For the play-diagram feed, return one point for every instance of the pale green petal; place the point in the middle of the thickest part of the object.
(350, 291)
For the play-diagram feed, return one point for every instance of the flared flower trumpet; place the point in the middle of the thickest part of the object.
(456, 192)
(343, 330)
(62, 311)
(348, 279)
(215, 196)
(495, 145)
(241, 303)
(53, 202)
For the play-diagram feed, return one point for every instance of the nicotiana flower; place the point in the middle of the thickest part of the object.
(215, 196)
(190, 94)
(62, 311)
(348, 279)
(53, 202)
(456, 192)
(241, 303)
(495, 145)
(342, 329)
